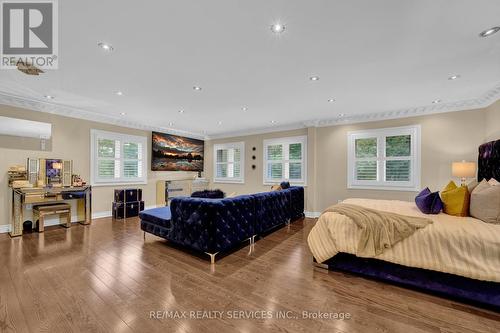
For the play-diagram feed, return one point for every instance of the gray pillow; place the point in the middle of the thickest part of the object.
(485, 203)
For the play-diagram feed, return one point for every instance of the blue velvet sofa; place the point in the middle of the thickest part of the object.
(214, 226)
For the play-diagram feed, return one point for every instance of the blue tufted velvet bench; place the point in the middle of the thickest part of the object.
(213, 226)
(156, 221)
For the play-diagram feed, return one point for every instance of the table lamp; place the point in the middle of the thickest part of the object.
(463, 170)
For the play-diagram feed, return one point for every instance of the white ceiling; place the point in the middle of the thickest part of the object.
(376, 58)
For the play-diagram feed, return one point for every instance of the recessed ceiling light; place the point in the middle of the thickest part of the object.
(181, 111)
(436, 101)
(119, 93)
(219, 122)
(122, 114)
(197, 88)
(49, 97)
(341, 115)
(244, 108)
(454, 77)
(273, 121)
(278, 28)
(105, 46)
(489, 32)
(331, 100)
(170, 124)
(314, 78)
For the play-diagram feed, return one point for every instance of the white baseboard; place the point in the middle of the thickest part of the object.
(100, 215)
(108, 213)
(312, 214)
(6, 227)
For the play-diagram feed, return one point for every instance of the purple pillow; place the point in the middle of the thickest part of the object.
(429, 202)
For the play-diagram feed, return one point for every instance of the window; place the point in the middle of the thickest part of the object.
(229, 163)
(384, 159)
(285, 159)
(117, 158)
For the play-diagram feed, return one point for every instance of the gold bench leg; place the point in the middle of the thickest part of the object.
(41, 222)
(68, 220)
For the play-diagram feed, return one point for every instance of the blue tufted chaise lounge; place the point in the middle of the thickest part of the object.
(213, 226)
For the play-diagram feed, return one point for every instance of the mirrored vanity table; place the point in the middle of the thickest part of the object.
(22, 197)
(45, 182)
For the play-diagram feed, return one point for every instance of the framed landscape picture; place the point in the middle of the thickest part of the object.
(176, 153)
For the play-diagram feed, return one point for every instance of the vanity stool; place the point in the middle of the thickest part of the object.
(62, 209)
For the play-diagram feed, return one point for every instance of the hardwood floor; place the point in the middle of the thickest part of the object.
(105, 278)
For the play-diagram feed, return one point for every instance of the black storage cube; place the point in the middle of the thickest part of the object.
(127, 209)
(119, 195)
(132, 195)
(128, 195)
(118, 210)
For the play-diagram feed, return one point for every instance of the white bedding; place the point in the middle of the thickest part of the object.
(458, 245)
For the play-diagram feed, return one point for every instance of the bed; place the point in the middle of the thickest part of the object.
(454, 257)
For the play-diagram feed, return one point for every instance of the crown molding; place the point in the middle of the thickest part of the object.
(256, 131)
(483, 101)
(72, 112)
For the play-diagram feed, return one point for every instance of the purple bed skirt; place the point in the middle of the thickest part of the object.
(476, 292)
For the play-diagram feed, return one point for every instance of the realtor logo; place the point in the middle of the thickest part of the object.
(29, 33)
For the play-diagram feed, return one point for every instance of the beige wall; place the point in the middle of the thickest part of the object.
(70, 140)
(253, 178)
(446, 137)
(493, 122)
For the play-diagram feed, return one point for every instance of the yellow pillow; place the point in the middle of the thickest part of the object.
(455, 199)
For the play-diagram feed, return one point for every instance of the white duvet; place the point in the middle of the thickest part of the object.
(458, 245)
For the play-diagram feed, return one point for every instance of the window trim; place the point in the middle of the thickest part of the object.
(415, 158)
(94, 135)
(286, 140)
(230, 180)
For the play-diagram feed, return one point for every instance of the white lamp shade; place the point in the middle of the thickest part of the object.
(463, 169)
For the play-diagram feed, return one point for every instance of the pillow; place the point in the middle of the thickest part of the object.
(472, 185)
(485, 202)
(493, 182)
(429, 202)
(276, 188)
(208, 194)
(285, 185)
(455, 199)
